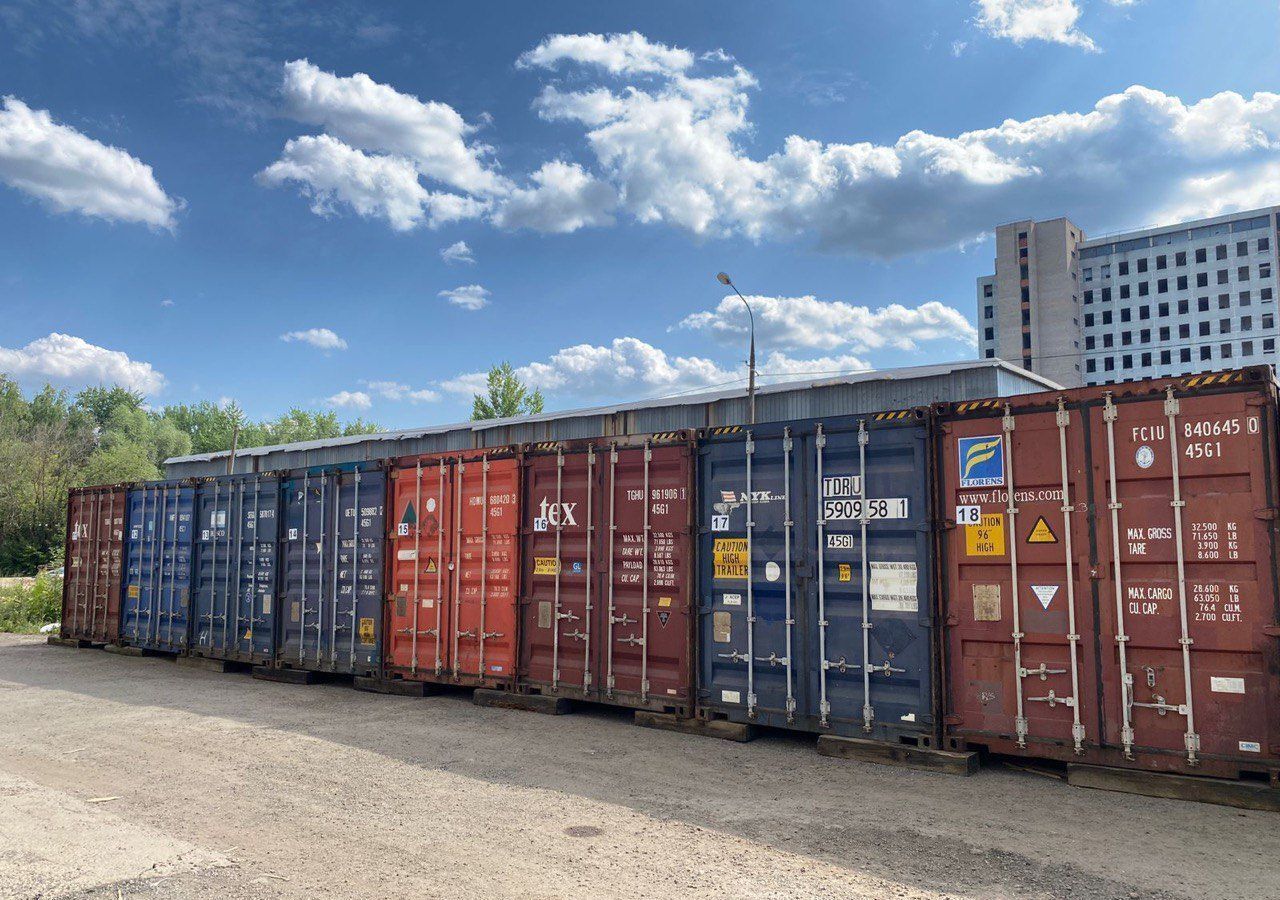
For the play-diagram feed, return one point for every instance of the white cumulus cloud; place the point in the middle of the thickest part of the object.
(70, 172)
(458, 252)
(468, 296)
(321, 338)
(809, 323)
(564, 198)
(72, 361)
(1039, 20)
(395, 390)
(619, 54)
(350, 400)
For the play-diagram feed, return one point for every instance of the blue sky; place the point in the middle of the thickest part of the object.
(251, 201)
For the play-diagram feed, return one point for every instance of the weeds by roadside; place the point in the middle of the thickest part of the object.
(25, 608)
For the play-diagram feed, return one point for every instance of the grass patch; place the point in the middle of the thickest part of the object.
(25, 608)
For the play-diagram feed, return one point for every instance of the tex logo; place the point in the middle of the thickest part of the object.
(981, 461)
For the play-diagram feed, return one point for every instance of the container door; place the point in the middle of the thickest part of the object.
(1020, 636)
(78, 582)
(174, 600)
(310, 511)
(751, 557)
(135, 607)
(421, 545)
(214, 521)
(559, 613)
(486, 535)
(1190, 565)
(113, 560)
(872, 632)
(258, 551)
(356, 640)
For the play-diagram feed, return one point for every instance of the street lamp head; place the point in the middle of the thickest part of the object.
(723, 278)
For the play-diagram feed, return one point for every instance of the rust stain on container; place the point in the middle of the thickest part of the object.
(1110, 580)
(94, 563)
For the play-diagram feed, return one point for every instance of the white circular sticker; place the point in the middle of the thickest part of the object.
(771, 571)
(431, 504)
(1144, 457)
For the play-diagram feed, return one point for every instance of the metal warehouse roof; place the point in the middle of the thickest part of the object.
(870, 391)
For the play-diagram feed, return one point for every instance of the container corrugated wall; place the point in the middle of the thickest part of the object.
(453, 566)
(1122, 608)
(330, 619)
(156, 609)
(607, 590)
(236, 565)
(94, 563)
(816, 574)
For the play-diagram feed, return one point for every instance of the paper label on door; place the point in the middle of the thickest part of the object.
(1251, 747)
(986, 603)
(730, 696)
(1045, 593)
(366, 631)
(729, 559)
(893, 587)
(546, 565)
(987, 538)
(1226, 685)
(732, 600)
(407, 554)
(721, 627)
(544, 614)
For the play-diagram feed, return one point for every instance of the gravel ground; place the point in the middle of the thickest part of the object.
(225, 787)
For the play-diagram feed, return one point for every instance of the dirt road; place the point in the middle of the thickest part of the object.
(225, 787)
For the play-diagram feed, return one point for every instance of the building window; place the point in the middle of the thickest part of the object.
(1108, 340)
(1242, 248)
(1166, 357)
(1183, 307)
(1246, 323)
(1226, 351)
(1022, 271)
(1143, 289)
(1126, 314)
(1144, 312)
(1182, 282)
(1222, 276)
(1201, 255)
(1022, 235)
(1127, 361)
(1124, 292)
(1202, 304)
(1106, 271)
(1022, 253)
(1180, 258)
(1202, 279)
(1026, 342)
(1162, 310)
(1126, 338)
(1088, 342)
(1242, 273)
(1162, 286)
(1269, 345)
(1146, 359)
(1088, 274)
(987, 291)
(989, 334)
(1224, 326)
(1109, 364)
(1204, 329)
(1184, 330)
(1142, 264)
(1264, 270)
(1185, 354)
(1268, 320)
(1206, 353)
(1026, 295)
(1088, 320)
(1246, 348)
(1266, 294)
(1123, 268)
(1144, 336)
(1164, 333)
(1220, 251)
(1026, 317)
(1090, 365)
(1088, 296)
(1162, 262)
(1224, 301)
(991, 353)
(1106, 317)
(1245, 299)
(1264, 244)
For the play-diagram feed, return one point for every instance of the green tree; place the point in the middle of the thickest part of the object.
(507, 396)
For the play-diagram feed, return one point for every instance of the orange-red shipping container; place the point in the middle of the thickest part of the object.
(1109, 575)
(453, 565)
(93, 563)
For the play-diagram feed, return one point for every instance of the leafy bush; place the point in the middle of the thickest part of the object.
(25, 608)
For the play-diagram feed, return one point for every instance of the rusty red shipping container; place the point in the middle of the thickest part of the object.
(606, 603)
(453, 563)
(93, 563)
(1109, 575)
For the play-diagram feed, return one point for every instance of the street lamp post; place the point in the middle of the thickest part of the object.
(751, 360)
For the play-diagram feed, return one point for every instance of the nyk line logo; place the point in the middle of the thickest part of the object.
(981, 461)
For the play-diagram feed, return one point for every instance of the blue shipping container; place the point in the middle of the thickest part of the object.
(236, 548)
(156, 612)
(816, 576)
(332, 569)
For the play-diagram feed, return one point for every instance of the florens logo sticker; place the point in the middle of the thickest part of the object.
(981, 461)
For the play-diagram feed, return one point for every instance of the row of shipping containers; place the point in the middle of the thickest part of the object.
(1082, 575)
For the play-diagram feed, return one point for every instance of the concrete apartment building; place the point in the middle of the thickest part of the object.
(1177, 299)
